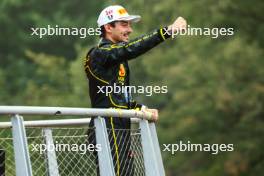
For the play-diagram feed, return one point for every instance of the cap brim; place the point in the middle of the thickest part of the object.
(132, 18)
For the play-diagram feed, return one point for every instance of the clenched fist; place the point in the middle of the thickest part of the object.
(178, 25)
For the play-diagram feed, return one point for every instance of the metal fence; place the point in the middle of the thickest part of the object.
(69, 147)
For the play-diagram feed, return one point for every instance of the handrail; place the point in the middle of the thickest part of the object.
(56, 123)
(107, 112)
(23, 163)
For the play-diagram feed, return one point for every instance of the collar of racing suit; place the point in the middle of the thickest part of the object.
(104, 41)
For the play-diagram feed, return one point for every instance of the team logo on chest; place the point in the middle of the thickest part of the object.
(122, 71)
(121, 74)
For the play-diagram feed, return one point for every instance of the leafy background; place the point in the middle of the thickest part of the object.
(215, 86)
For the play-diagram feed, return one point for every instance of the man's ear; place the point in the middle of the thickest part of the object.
(108, 28)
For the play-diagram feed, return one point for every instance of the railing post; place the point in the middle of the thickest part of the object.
(106, 165)
(155, 141)
(22, 159)
(150, 162)
(50, 154)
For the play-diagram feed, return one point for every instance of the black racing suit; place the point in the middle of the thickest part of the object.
(106, 65)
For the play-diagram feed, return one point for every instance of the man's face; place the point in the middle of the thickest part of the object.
(120, 32)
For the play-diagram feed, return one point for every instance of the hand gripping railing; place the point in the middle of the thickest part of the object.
(151, 152)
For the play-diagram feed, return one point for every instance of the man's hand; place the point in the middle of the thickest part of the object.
(179, 24)
(154, 112)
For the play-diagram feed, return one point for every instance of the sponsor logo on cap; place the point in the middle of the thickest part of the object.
(109, 14)
(122, 11)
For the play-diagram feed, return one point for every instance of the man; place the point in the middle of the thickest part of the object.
(107, 65)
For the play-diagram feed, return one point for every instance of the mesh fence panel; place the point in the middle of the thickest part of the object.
(38, 160)
(74, 152)
(127, 152)
(77, 157)
(136, 147)
(71, 148)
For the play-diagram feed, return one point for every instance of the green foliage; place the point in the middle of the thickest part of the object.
(215, 86)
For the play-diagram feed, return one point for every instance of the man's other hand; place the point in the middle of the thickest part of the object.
(154, 113)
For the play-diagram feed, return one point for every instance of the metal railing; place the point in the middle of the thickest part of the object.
(25, 134)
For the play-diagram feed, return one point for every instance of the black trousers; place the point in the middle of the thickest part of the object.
(2, 162)
(120, 144)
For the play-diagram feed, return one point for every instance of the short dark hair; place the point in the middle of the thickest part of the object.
(102, 29)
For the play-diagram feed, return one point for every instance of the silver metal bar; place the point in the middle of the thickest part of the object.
(106, 165)
(150, 163)
(107, 112)
(57, 123)
(22, 160)
(157, 152)
(53, 168)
